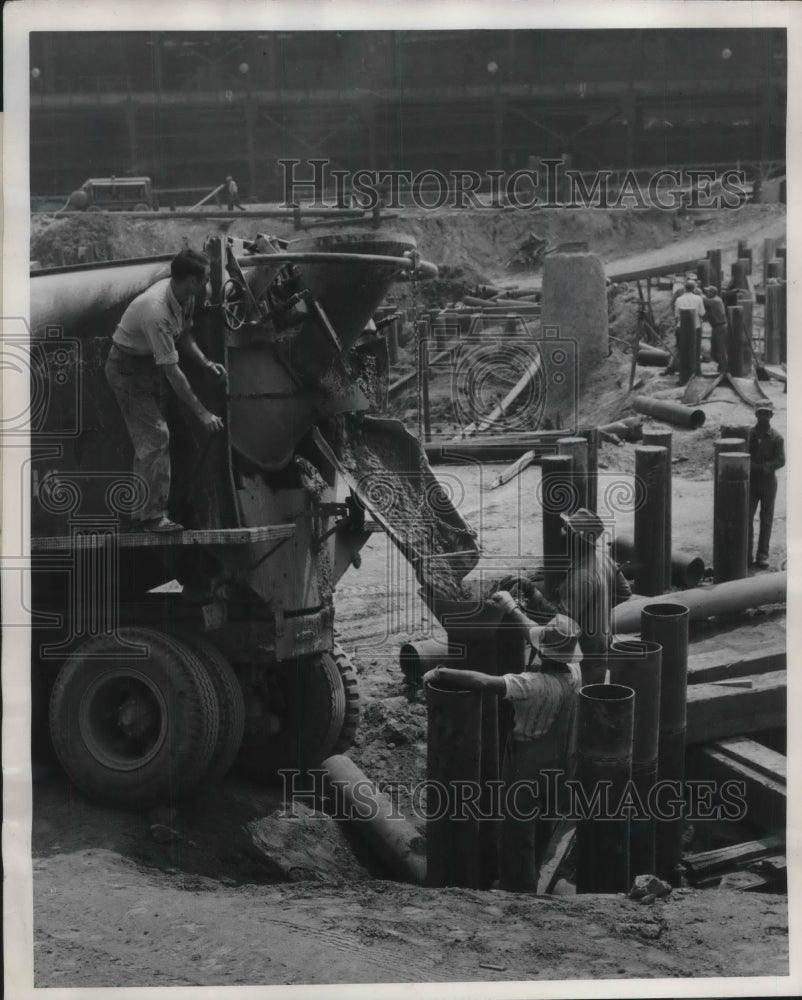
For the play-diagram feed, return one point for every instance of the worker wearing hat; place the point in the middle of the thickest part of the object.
(592, 586)
(542, 739)
(767, 453)
(716, 316)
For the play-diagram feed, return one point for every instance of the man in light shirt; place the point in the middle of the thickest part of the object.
(143, 360)
(691, 299)
(543, 739)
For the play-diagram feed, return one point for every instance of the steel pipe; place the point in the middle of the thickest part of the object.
(375, 818)
(592, 436)
(775, 268)
(703, 271)
(453, 756)
(738, 274)
(670, 412)
(653, 356)
(557, 496)
(637, 665)
(773, 322)
(605, 720)
(663, 439)
(667, 625)
(714, 256)
(687, 569)
(577, 449)
(416, 658)
(687, 346)
(734, 431)
(704, 602)
(651, 470)
(731, 516)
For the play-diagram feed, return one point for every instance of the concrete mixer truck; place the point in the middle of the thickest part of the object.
(158, 661)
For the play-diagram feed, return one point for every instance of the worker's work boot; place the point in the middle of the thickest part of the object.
(161, 525)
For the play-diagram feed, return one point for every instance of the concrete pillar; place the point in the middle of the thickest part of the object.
(577, 449)
(575, 305)
(731, 517)
(650, 520)
(662, 439)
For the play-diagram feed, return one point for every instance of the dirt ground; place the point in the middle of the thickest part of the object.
(227, 891)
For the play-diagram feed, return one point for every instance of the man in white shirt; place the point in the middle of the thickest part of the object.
(543, 739)
(143, 360)
(691, 299)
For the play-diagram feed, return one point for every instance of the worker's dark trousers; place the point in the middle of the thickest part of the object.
(762, 493)
(139, 386)
(719, 336)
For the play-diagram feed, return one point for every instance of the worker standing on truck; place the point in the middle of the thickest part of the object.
(593, 585)
(767, 451)
(143, 358)
(542, 741)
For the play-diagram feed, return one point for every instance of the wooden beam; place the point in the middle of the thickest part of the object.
(761, 771)
(717, 712)
(709, 862)
(713, 666)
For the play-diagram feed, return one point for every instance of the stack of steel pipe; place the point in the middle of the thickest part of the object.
(557, 496)
(662, 439)
(666, 624)
(577, 449)
(637, 665)
(651, 472)
(731, 516)
(604, 769)
(454, 752)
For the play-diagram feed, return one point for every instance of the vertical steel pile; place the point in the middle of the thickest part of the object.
(576, 448)
(667, 625)
(714, 256)
(662, 439)
(604, 769)
(731, 516)
(453, 755)
(558, 496)
(637, 665)
(737, 339)
(651, 471)
(686, 345)
(593, 438)
(775, 294)
(739, 273)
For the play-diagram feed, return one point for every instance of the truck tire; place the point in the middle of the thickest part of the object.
(142, 207)
(136, 731)
(348, 676)
(231, 704)
(311, 702)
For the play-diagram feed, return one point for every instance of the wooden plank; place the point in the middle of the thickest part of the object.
(716, 712)
(707, 863)
(713, 666)
(762, 759)
(764, 794)
(147, 539)
(560, 844)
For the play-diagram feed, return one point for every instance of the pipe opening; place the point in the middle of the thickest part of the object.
(607, 692)
(697, 418)
(635, 647)
(666, 610)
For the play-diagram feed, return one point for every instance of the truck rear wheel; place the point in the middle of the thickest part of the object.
(230, 702)
(134, 730)
(316, 701)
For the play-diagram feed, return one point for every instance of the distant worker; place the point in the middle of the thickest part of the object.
(232, 193)
(767, 451)
(691, 299)
(542, 739)
(593, 585)
(716, 316)
(142, 359)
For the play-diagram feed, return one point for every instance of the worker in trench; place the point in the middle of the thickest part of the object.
(143, 360)
(541, 743)
(767, 453)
